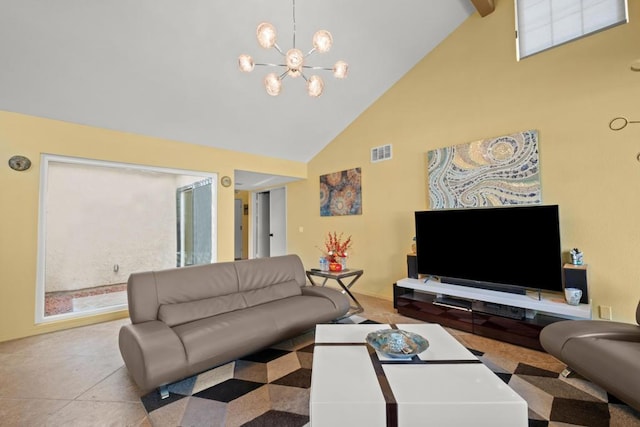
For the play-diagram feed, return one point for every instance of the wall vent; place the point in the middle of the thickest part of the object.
(381, 153)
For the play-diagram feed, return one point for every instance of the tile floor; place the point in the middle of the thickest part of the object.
(77, 377)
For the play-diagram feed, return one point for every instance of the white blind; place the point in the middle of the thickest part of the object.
(542, 24)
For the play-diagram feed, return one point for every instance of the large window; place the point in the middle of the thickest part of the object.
(101, 221)
(543, 24)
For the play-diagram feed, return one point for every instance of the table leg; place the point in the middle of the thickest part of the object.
(358, 308)
(313, 283)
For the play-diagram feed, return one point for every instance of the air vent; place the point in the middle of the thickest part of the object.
(381, 153)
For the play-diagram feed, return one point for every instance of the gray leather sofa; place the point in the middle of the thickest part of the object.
(190, 319)
(605, 352)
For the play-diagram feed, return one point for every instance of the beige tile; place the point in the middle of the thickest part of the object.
(117, 387)
(54, 376)
(87, 340)
(86, 414)
(28, 412)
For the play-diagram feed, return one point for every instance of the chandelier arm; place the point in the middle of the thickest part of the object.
(316, 68)
(283, 75)
(276, 47)
(313, 49)
(270, 65)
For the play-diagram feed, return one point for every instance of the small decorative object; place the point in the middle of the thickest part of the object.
(397, 343)
(413, 245)
(335, 251)
(19, 163)
(225, 181)
(576, 257)
(572, 295)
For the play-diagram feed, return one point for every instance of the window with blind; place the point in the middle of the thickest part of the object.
(543, 24)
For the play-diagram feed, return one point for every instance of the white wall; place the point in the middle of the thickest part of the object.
(98, 217)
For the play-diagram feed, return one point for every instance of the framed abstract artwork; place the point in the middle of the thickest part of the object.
(341, 193)
(489, 172)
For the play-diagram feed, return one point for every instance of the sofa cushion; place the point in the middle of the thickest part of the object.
(271, 293)
(294, 315)
(219, 339)
(179, 313)
(196, 282)
(261, 272)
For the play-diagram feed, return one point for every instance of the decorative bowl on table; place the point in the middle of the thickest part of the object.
(397, 343)
(335, 266)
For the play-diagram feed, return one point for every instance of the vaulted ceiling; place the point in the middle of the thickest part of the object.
(168, 68)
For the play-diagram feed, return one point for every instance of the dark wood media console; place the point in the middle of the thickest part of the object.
(517, 319)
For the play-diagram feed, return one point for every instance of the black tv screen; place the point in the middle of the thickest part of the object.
(508, 247)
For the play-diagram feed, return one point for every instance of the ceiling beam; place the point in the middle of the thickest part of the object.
(484, 7)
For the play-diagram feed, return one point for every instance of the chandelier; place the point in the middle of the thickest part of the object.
(294, 60)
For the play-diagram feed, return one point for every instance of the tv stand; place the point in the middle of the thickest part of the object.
(508, 317)
(481, 285)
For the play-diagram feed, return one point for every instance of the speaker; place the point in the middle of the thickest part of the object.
(575, 276)
(412, 266)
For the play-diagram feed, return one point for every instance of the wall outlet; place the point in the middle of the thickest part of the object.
(605, 312)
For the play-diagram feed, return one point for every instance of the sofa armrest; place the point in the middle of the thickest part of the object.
(339, 300)
(153, 354)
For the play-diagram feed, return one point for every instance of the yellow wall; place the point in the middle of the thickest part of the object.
(30, 136)
(469, 88)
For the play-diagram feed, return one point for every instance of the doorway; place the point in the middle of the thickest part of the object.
(271, 223)
(237, 231)
(194, 223)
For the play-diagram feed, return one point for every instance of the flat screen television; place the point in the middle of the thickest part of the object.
(505, 249)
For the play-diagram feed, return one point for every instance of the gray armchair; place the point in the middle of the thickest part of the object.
(605, 352)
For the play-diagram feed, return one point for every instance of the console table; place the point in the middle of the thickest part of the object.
(513, 318)
(354, 275)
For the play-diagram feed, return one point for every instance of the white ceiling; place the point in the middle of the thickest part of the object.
(168, 68)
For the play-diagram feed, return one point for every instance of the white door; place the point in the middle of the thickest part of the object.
(237, 233)
(278, 222)
(262, 225)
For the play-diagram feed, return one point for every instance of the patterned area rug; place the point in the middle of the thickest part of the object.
(271, 388)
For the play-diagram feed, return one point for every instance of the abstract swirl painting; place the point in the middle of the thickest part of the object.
(490, 172)
(341, 193)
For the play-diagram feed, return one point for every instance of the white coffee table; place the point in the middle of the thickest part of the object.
(447, 386)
